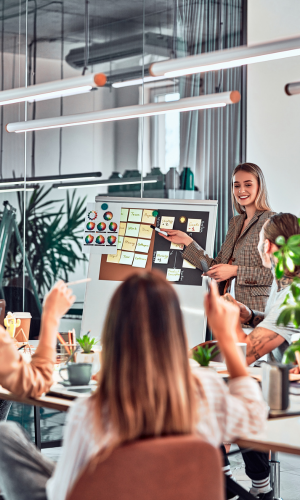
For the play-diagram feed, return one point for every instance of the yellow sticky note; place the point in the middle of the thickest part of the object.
(194, 225)
(145, 232)
(129, 244)
(188, 265)
(173, 274)
(122, 228)
(176, 246)
(167, 222)
(148, 217)
(114, 259)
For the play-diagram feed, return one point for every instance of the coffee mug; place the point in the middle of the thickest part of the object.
(78, 373)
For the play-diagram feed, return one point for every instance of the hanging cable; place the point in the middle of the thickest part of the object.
(87, 36)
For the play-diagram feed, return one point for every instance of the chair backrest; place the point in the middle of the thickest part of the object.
(169, 468)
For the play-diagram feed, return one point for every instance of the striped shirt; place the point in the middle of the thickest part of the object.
(225, 413)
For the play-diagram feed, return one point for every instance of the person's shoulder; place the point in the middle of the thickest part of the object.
(266, 214)
(235, 219)
(81, 409)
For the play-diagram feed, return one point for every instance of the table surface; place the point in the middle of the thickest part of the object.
(280, 435)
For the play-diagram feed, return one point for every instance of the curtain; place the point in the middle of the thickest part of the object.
(210, 140)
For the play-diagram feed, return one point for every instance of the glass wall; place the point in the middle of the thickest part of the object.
(185, 155)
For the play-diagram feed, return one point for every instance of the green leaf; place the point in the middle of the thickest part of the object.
(277, 254)
(285, 316)
(290, 264)
(294, 240)
(280, 240)
(279, 271)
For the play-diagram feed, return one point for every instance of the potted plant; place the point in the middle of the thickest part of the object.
(87, 354)
(288, 256)
(204, 354)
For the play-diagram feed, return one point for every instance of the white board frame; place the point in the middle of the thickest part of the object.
(98, 292)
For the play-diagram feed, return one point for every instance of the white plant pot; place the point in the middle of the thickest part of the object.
(92, 357)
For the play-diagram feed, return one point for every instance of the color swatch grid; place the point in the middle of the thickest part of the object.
(134, 237)
(101, 228)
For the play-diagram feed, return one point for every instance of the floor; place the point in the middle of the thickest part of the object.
(289, 474)
(52, 423)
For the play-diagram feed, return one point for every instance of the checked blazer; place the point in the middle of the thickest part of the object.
(253, 280)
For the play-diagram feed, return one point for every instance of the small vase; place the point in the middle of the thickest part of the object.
(91, 357)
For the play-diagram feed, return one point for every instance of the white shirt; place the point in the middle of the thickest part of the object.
(225, 413)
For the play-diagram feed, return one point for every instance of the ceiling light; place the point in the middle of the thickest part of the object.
(138, 81)
(112, 182)
(50, 178)
(52, 90)
(292, 88)
(228, 58)
(128, 112)
(18, 188)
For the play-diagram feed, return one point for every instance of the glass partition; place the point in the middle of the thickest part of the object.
(180, 155)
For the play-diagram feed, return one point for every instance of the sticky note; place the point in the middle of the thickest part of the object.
(114, 259)
(120, 242)
(122, 228)
(194, 225)
(148, 217)
(188, 265)
(167, 222)
(139, 260)
(124, 214)
(132, 230)
(173, 274)
(142, 246)
(176, 246)
(162, 257)
(135, 215)
(129, 244)
(126, 258)
(145, 232)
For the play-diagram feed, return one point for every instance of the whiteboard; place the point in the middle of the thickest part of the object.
(99, 292)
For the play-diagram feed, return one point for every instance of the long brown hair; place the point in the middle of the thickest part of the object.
(145, 381)
(262, 201)
(282, 225)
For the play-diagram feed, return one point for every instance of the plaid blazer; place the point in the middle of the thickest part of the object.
(253, 280)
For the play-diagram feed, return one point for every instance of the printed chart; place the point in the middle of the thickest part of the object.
(101, 228)
(167, 257)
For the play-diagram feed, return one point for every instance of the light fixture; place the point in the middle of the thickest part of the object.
(128, 112)
(137, 81)
(52, 90)
(110, 182)
(50, 178)
(18, 188)
(292, 88)
(228, 58)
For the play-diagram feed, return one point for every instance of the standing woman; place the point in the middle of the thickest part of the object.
(238, 267)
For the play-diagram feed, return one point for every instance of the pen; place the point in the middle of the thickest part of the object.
(72, 283)
(159, 230)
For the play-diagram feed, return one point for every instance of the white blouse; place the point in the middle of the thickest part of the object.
(225, 413)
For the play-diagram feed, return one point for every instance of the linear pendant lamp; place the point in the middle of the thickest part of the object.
(110, 182)
(50, 178)
(128, 112)
(228, 58)
(52, 90)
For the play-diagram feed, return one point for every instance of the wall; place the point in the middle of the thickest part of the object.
(273, 118)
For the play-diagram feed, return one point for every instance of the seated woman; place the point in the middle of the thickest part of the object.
(34, 378)
(146, 389)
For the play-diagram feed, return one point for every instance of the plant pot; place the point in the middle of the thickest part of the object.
(91, 357)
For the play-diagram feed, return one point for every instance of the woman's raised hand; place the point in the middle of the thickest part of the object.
(176, 236)
(58, 301)
(221, 272)
(223, 317)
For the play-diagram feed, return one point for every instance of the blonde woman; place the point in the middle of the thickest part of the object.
(146, 389)
(238, 268)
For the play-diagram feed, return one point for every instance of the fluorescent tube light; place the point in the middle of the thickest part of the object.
(50, 178)
(52, 90)
(292, 88)
(138, 81)
(116, 182)
(128, 112)
(228, 58)
(18, 188)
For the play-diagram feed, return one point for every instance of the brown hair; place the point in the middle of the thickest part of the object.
(261, 202)
(145, 381)
(282, 225)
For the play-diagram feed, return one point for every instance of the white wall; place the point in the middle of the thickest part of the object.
(273, 121)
